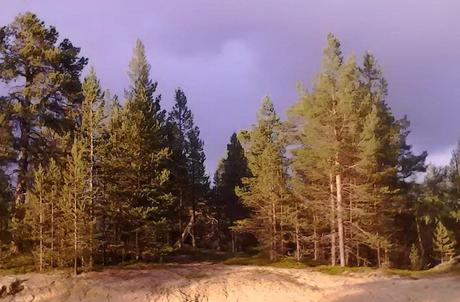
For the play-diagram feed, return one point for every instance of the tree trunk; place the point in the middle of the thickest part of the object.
(91, 190)
(136, 241)
(350, 229)
(41, 231)
(315, 240)
(23, 169)
(357, 254)
(23, 156)
(180, 217)
(192, 229)
(273, 252)
(52, 234)
(75, 233)
(233, 242)
(297, 239)
(281, 232)
(338, 181)
(332, 219)
(419, 239)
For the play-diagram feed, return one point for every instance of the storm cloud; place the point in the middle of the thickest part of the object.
(228, 54)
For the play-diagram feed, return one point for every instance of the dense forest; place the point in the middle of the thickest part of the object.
(90, 178)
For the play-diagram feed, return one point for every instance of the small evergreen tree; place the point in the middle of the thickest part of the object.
(90, 131)
(443, 243)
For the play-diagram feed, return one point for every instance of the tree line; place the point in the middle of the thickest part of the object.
(90, 179)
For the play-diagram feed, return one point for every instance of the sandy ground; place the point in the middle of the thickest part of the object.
(217, 282)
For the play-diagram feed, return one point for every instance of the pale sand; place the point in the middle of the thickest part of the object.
(217, 282)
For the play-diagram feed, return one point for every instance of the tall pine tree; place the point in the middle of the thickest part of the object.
(46, 90)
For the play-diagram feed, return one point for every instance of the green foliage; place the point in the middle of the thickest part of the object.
(414, 256)
(190, 184)
(444, 244)
(265, 191)
(349, 155)
(46, 91)
(227, 205)
(124, 182)
(133, 165)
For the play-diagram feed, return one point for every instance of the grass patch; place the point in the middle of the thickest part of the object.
(338, 270)
(15, 265)
(261, 261)
(189, 255)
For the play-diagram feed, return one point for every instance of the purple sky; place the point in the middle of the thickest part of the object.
(228, 54)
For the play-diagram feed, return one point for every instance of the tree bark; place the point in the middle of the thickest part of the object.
(91, 190)
(315, 235)
(419, 239)
(180, 217)
(75, 233)
(41, 231)
(297, 239)
(338, 181)
(273, 251)
(332, 219)
(52, 234)
(281, 232)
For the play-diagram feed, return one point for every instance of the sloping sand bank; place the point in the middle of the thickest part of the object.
(217, 282)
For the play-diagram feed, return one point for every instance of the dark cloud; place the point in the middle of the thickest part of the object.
(228, 54)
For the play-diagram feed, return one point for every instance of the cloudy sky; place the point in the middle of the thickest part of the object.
(228, 54)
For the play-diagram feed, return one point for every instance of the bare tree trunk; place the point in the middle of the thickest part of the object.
(274, 233)
(136, 242)
(75, 233)
(91, 192)
(61, 258)
(192, 230)
(52, 234)
(23, 169)
(192, 227)
(357, 254)
(180, 217)
(281, 231)
(233, 242)
(338, 181)
(332, 219)
(419, 239)
(41, 231)
(23, 155)
(315, 235)
(350, 221)
(297, 239)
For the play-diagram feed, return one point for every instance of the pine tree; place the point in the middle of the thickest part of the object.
(228, 207)
(191, 184)
(331, 111)
(196, 170)
(77, 201)
(6, 156)
(134, 161)
(180, 123)
(443, 242)
(35, 217)
(54, 177)
(41, 209)
(46, 89)
(264, 192)
(92, 114)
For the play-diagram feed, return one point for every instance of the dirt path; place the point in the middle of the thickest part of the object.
(216, 282)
